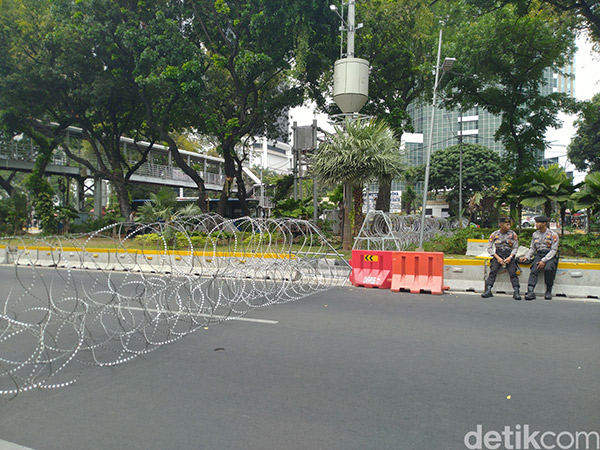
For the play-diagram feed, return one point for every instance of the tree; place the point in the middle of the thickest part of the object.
(65, 69)
(549, 186)
(169, 74)
(354, 155)
(584, 149)
(508, 83)
(411, 177)
(481, 169)
(586, 13)
(588, 197)
(255, 46)
(512, 191)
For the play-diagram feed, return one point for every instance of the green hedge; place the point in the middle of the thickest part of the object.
(579, 245)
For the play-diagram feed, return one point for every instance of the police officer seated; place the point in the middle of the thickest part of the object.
(544, 250)
(502, 247)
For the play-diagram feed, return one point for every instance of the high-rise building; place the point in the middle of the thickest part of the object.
(476, 126)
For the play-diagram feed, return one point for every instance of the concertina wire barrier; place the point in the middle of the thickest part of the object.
(392, 232)
(105, 306)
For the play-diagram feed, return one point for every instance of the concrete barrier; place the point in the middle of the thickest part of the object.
(21, 256)
(95, 259)
(573, 280)
(70, 257)
(476, 247)
(464, 274)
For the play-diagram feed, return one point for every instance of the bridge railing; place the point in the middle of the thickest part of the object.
(25, 150)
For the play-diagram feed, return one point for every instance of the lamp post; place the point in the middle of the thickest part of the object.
(447, 65)
(460, 170)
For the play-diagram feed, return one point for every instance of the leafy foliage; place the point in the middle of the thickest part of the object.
(13, 214)
(509, 82)
(481, 168)
(363, 151)
(589, 195)
(583, 150)
(301, 208)
(548, 186)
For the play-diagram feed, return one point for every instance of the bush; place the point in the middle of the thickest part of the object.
(580, 245)
(456, 244)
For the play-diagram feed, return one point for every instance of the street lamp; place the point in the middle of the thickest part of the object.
(446, 66)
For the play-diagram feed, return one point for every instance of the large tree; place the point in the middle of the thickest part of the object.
(67, 69)
(29, 92)
(586, 13)
(501, 65)
(255, 47)
(481, 169)
(584, 149)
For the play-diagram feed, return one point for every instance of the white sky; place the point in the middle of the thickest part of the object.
(587, 84)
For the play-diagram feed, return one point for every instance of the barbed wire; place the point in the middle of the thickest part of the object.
(73, 305)
(387, 231)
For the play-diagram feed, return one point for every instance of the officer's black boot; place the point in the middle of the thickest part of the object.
(488, 291)
(530, 295)
(517, 294)
(548, 294)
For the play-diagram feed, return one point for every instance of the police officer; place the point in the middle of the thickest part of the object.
(506, 243)
(544, 244)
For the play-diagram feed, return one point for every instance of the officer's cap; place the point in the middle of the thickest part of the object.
(541, 219)
(504, 220)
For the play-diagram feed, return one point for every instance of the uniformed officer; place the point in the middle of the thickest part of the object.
(502, 247)
(544, 245)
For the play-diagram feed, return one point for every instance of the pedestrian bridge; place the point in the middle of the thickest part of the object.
(19, 154)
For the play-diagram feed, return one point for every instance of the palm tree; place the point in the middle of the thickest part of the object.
(588, 197)
(512, 191)
(356, 154)
(549, 186)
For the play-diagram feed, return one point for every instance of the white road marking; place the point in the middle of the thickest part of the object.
(209, 316)
(5, 445)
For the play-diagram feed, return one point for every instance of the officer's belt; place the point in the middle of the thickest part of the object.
(503, 252)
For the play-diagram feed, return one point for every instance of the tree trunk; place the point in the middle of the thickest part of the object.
(384, 194)
(589, 221)
(548, 208)
(120, 186)
(242, 195)
(182, 164)
(359, 217)
(227, 147)
(5, 183)
(347, 230)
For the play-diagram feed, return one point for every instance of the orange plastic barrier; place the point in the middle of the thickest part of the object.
(371, 268)
(418, 271)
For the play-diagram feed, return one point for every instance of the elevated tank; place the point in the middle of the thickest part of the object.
(351, 84)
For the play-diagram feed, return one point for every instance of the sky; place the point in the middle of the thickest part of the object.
(587, 84)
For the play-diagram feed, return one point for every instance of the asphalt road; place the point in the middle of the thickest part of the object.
(351, 368)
